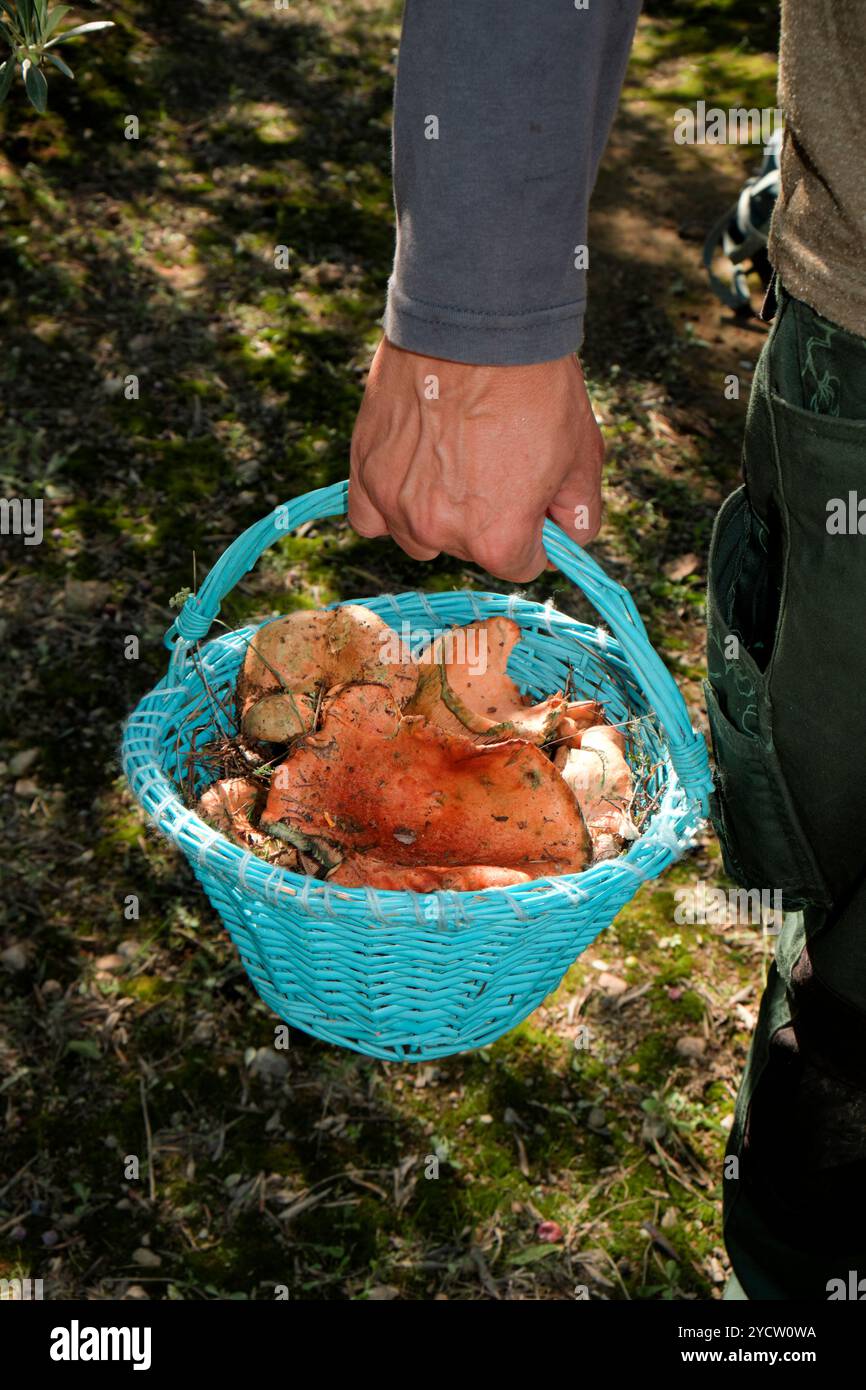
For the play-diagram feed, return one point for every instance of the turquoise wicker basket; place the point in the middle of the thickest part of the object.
(409, 976)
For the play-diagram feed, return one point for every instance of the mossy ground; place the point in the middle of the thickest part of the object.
(154, 258)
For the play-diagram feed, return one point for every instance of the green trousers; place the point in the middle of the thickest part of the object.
(786, 699)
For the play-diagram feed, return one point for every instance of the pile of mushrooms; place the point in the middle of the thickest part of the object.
(429, 772)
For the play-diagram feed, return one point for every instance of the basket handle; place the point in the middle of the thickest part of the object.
(613, 603)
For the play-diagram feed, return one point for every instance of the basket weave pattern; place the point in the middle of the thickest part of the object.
(402, 975)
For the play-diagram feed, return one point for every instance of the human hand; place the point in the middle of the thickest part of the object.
(447, 456)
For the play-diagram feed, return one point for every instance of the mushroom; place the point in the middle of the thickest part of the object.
(363, 870)
(231, 806)
(464, 688)
(404, 791)
(600, 778)
(292, 662)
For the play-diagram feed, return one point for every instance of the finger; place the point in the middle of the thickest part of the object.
(514, 552)
(412, 547)
(578, 510)
(364, 516)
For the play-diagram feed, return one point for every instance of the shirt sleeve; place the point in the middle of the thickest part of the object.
(502, 111)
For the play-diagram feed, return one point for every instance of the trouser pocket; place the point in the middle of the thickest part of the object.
(763, 842)
(817, 671)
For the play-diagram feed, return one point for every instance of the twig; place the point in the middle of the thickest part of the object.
(149, 1136)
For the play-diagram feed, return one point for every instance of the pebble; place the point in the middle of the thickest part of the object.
(612, 985)
(691, 1047)
(22, 762)
(14, 958)
(653, 1127)
(86, 595)
(112, 962)
(270, 1064)
(148, 1259)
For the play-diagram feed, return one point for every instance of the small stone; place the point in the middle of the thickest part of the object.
(14, 958)
(22, 762)
(50, 1238)
(148, 1259)
(86, 595)
(383, 1293)
(670, 1219)
(653, 1127)
(136, 1291)
(596, 1119)
(112, 962)
(612, 985)
(25, 786)
(52, 987)
(18, 1233)
(485, 1119)
(691, 1047)
(269, 1064)
(129, 948)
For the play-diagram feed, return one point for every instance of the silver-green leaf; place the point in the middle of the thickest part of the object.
(59, 63)
(37, 87)
(81, 29)
(7, 77)
(53, 19)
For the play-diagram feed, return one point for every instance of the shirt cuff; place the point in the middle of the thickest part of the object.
(484, 339)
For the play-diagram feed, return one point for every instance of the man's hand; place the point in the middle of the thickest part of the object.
(469, 460)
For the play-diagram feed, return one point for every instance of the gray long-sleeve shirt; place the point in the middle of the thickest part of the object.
(502, 111)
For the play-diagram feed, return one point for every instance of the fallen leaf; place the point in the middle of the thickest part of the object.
(682, 567)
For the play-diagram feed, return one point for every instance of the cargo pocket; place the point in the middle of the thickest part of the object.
(763, 843)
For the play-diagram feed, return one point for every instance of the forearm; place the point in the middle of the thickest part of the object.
(490, 212)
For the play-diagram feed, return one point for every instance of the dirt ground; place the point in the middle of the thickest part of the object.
(142, 1037)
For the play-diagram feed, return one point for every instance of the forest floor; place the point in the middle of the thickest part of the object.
(144, 1037)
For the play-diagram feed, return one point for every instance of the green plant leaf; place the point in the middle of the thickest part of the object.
(25, 16)
(81, 29)
(7, 77)
(13, 17)
(59, 63)
(40, 14)
(85, 1047)
(53, 19)
(532, 1253)
(37, 87)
